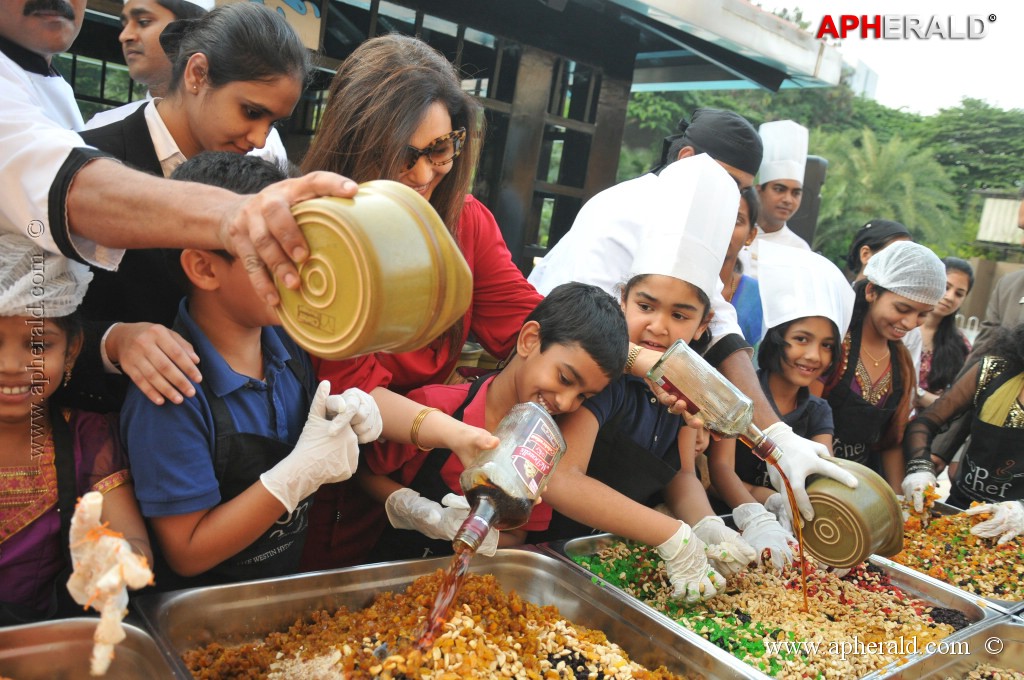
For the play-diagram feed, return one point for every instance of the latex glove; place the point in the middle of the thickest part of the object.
(1007, 519)
(800, 458)
(362, 411)
(104, 568)
(728, 553)
(762, 530)
(778, 505)
(688, 570)
(327, 452)
(407, 509)
(914, 486)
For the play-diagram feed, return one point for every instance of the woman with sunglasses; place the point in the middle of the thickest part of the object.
(397, 111)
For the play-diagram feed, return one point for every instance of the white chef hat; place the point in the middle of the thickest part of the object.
(785, 151)
(908, 269)
(796, 283)
(34, 282)
(688, 213)
(205, 4)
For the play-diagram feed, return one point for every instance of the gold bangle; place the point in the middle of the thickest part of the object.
(634, 352)
(414, 432)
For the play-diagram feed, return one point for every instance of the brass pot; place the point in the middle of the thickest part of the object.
(384, 274)
(851, 524)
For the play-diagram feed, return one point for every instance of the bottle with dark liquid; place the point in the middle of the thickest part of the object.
(503, 484)
(726, 411)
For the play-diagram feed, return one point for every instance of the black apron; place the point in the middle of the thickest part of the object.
(858, 424)
(989, 471)
(239, 458)
(61, 602)
(401, 544)
(620, 463)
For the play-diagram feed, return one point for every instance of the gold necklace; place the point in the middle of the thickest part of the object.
(885, 356)
(734, 282)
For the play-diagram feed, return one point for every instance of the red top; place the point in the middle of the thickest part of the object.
(502, 299)
(402, 461)
(344, 522)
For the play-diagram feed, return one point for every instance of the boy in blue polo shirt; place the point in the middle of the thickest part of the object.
(225, 478)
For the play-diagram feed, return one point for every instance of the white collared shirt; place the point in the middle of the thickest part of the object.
(167, 151)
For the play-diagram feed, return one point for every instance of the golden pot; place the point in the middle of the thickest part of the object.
(851, 524)
(383, 275)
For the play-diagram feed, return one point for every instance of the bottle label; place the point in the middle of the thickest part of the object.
(535, 458)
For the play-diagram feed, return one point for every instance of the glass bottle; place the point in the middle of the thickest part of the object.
(502, 485)
(726, 411)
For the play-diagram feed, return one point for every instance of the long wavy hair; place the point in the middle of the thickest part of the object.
(378, 98)
(949, 351)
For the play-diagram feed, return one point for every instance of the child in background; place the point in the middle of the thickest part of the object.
(807, 307)
(624, 448)
(742, 291)
(571, 345)
(48, 456)
(216, 472)
(871, 390)
(944, 347)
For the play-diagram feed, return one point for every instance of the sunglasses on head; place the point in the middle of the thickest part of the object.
(441, 151)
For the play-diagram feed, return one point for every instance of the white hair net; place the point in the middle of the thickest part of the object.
(38, 283)
(908, 269)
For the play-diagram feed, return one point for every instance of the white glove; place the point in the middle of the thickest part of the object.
(688, 570)
(104, 567)
(362, 411)
(408, 510)
(327, 451)
(778, 505)
(1007, 519)
(800, 458)
(914, 486)
(727, 551)
(764, 532)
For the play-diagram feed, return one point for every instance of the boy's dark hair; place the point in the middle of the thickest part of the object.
(239, 173)
(182, 9)
(773, 349)
(581, 314)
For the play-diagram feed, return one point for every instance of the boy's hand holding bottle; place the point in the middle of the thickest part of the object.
(407, 509)
(327, 452)
(688, 570)
(764, 532)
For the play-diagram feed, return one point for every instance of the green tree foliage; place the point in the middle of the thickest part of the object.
(898, 179)
(982, 146)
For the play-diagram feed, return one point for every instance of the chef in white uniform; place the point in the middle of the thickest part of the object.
(142, 23)
(780, 188)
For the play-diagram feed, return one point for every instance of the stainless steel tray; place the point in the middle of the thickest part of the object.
(939, 509)
(61, 649)
(242, 612)
(999, 642)
(930, 590)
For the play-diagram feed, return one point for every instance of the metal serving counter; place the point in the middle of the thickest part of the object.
(930, 590)
(243, 612)
(60, 650)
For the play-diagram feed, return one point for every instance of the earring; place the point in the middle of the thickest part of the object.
(67, 374)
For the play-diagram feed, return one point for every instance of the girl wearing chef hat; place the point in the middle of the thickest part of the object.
(807, 308)
(624, 450)
(235, 71)
(49, 456)
(870, 392)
